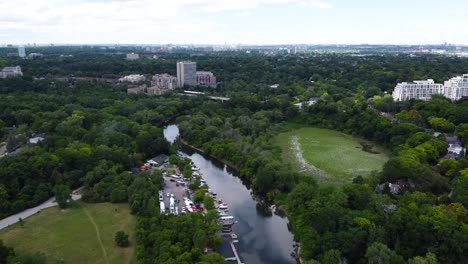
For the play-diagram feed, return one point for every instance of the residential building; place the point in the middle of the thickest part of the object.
(8, 72)
(153, 90)
(132, 56)
(455, 148)
(137, 90)
(156, 90)
(206, 78)
(456, 88)
(35, 55)
(186, 73)
(422, 90)
(164, 81)
(21, 52)
(133, 78)
(311, 101)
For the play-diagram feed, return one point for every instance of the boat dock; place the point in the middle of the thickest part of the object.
(236, 256)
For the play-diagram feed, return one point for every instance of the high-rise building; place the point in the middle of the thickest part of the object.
(186, 73)
(206, 78)
(8, 72)
(422, 90)
(456, 88)
(164, 81)
(21, 52)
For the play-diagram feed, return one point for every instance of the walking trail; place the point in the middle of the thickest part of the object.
(98, 235)
(295, 147)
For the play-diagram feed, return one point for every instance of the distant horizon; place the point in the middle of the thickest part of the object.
(253, 22)
(229, 44)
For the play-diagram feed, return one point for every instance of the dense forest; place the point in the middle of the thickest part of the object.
(95, 133)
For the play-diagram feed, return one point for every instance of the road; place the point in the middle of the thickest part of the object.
(31, 211)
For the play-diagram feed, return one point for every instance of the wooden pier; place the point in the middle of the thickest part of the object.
(236, 256)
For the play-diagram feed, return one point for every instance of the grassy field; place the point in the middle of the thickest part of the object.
(82, 234)
(332, 156)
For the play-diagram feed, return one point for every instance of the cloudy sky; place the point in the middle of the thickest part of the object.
(234, 21)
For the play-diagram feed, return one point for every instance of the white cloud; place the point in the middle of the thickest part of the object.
(130, 21)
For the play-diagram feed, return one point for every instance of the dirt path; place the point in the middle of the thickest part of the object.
(98, 235)
(295, 147)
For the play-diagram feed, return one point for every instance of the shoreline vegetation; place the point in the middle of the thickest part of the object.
(278, 203)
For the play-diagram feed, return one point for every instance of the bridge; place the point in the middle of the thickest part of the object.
(217, 98)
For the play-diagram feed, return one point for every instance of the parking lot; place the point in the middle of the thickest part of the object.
(179, 193)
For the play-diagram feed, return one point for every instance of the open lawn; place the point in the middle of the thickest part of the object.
(83, 233)
(332, 156)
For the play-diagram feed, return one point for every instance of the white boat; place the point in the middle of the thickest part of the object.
(226, 220)
(235, 241)
(233, 236)
(223, 207)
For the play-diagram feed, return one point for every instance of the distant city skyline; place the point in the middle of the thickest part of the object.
(250, 22)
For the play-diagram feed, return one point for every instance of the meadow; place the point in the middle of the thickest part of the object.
(83, 233)
(330, 155)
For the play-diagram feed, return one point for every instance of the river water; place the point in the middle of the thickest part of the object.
(262, 238)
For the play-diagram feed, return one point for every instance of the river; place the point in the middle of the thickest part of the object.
(262, 239)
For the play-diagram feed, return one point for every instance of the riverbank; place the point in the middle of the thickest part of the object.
(271, 230)
(228, 163)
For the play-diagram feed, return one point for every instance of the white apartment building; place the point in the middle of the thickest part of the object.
(422, 90)
(186, 73)
(164, 81)
(133, 78)
(456, 88)
(21, 52)
(8, 72)
(133, 56)
(206, 78)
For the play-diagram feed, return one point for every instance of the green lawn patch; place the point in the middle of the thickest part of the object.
(83, 233)
(330, 155)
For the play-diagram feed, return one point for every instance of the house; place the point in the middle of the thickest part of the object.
(455, 147)
(389, 208)
(395, 189)
(160, 159)
(36, 139)
(311, 101)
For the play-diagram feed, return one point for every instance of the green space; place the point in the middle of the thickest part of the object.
(331, 155)
(84, 233)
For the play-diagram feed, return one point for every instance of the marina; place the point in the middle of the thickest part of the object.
(260, 238)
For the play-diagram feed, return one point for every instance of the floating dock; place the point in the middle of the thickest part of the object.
(236, 256)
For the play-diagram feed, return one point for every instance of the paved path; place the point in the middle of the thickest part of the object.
(31, 211)
(98, 234)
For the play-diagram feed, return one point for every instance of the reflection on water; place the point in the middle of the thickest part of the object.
(171, 132)
(263, 235)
